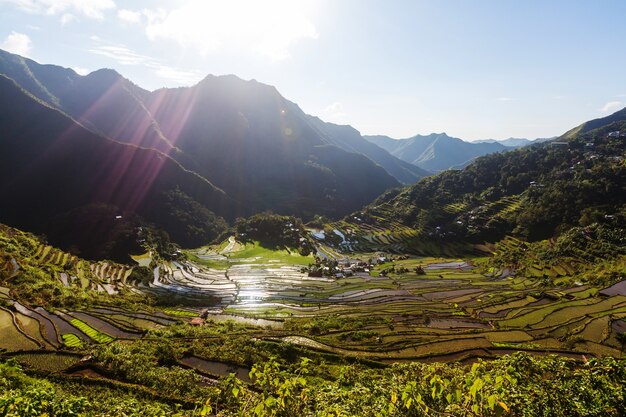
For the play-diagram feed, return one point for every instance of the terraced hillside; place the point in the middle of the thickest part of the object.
(222, 309)
(407, 308)
(533, 193)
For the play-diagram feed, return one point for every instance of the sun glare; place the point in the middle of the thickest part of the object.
(265, 27)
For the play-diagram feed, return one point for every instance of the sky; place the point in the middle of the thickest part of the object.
(475, 69)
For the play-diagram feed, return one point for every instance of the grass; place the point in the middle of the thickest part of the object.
(257, 254)
(71, 340)
(94, 334)
(534, 316)
(49, 362)
(567, 313)
(179, 313)
(209, 263)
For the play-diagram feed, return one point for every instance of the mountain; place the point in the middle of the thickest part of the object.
(613, 119)
(513, 142)
(534, 192)
(348, 138)
(50, 166)
(102, 101)
(262, 150)
(242, 136)
(435, 152)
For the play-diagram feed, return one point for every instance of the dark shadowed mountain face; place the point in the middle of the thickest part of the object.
(50, 165)
(260, 148)
(243, 136)
(435, 152)
(102, 101)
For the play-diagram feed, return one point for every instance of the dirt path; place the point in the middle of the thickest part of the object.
(232, 245)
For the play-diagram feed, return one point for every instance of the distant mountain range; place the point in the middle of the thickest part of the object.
(438, 151)
(513, 142)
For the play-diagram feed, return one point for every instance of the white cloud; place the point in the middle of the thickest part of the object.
(93, 9)
(129, 15)
(67, 18)
(17, 43)
(182, 77)
(334, 113)
(81, 71)
(611, 106)
(121, 54)
(269, 27)
(125, 56)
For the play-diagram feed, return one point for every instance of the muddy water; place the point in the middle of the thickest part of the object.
(217, 368)
(62, 325)
(245, 320)
(48, 327)
(158, 318)
(449, 265)
(104, 326)
(453, 323)
(617, 289)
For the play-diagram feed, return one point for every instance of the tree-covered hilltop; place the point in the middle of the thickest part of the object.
(273, 231)
(534, 192)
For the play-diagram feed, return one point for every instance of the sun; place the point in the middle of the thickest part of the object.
(268, 27)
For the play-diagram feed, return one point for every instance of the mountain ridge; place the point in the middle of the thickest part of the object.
(56, 165)
(147, 132)
(435, 152)
(242, 136)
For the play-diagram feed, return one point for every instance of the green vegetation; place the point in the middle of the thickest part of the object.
(533, 192)
(254, 252)
(273, 231)
(359, 329)
(71, 340)
(37, 279)
(179, 313)
(512, 385)
(47, 361)
(189, 221)
(91, 332)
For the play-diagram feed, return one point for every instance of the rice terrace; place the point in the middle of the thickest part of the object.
(376, 308)
(380, 306)
(436, 228)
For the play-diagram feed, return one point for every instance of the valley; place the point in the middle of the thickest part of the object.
(222, 308)
(213, 250)
(449, 310)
